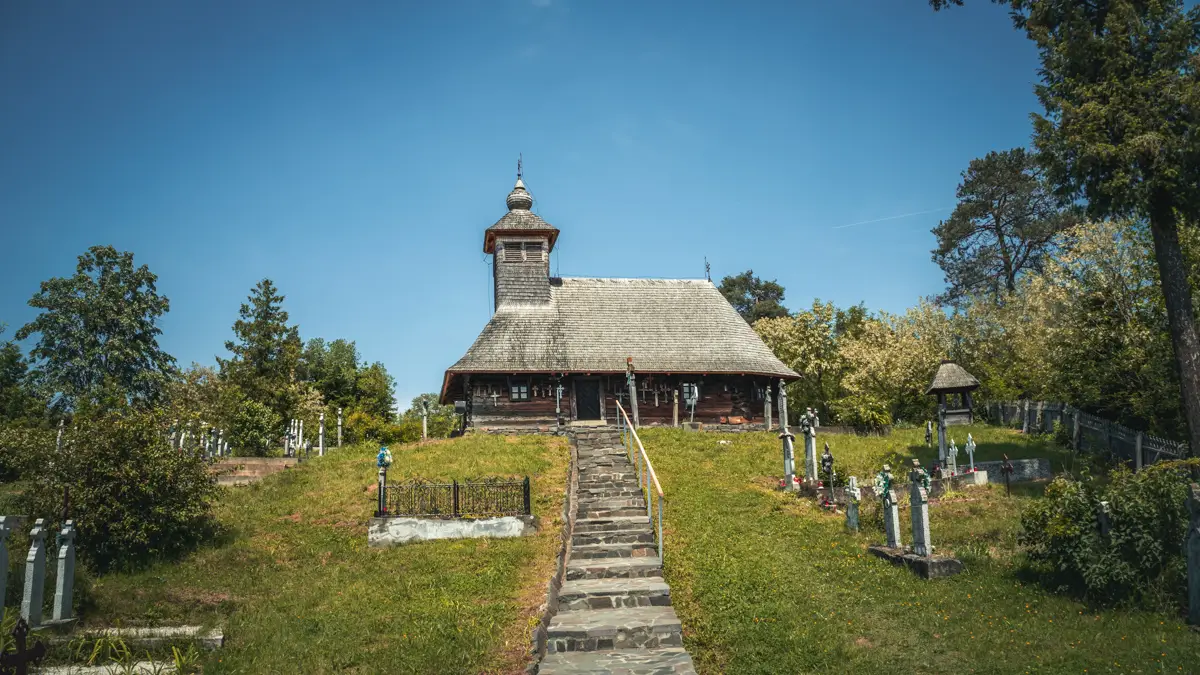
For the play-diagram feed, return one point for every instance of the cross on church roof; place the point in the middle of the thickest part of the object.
(518, 166)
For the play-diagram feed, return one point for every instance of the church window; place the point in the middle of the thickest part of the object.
(533, 251)
(518, 390)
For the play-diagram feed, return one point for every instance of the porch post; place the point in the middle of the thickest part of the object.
(632, 380)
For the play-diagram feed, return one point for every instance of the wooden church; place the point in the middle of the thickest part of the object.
(563, 351)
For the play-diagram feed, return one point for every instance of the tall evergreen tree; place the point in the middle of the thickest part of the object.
(1004, 224)
(266, 351)
(752, 297)
(98, 332)
(1121, 91)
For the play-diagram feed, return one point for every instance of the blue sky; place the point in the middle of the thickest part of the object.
(354, 153)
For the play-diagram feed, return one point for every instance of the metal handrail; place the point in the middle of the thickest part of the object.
(629, 437)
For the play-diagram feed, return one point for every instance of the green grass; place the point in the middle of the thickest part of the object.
(769, 583)
(297, 589)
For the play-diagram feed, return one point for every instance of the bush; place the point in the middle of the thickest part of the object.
(1062, 434)
(253, 427)
(17, 445)
(1140, 560)
(132, 497)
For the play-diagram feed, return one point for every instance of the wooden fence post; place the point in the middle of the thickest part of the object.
(1075, 433)
(1137, 452)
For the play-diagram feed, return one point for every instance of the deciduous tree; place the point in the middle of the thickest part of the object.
(98, 333)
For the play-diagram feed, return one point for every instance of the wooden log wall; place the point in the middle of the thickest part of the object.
(720, 397)
(500, 408)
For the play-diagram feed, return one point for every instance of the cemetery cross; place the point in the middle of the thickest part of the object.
(19, 661)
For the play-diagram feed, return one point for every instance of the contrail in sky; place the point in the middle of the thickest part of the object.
(904, 215)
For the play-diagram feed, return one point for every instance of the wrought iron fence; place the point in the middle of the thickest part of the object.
(488, 497)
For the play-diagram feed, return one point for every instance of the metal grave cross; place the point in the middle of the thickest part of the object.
(18, 662)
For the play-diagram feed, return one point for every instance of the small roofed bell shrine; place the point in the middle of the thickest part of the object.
(953, 386)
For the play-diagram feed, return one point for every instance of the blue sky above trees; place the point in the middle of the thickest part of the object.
(355, 156)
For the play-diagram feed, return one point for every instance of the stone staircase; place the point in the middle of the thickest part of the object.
(233, 471)
(614, 609)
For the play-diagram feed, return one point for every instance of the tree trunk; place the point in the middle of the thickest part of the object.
(1177, 294)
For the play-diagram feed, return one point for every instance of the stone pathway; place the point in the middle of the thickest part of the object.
(614, 611)
(232, 471)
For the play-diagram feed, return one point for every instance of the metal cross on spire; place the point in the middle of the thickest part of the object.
(518, 166)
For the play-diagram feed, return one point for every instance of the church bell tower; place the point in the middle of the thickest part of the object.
(520, 244)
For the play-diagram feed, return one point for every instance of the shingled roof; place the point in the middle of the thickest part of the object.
(951, 377)
(592, 325)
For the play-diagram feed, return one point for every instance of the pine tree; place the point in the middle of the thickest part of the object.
(266, 351)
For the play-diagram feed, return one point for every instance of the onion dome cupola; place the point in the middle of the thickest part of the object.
(519, 221)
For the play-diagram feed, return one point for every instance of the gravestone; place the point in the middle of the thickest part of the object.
(321, 438)
(35, 575)
(919, 505)
(971, 451)
(65, 586)
(810, 446)
(891, 510)
(952, 458)
(6, 525)
(339, 427)
(1193, 554)
(853, 495)
(789, 459)
(789, 448)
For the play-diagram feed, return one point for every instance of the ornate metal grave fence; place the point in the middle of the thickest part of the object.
(489, 497)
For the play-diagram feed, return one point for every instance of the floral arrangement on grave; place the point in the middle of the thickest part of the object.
(883, 482)
(827, 465)
(920, 475)
(384, 459)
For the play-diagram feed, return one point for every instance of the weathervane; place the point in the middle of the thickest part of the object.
(707, 269)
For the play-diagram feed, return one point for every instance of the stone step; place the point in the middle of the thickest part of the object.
(590, 512)
(603, 449)
(237, 481)
(628, 492)
(149, 638)
(636, 550)
(610, 502)
(614, 568)
(606, 478)
(585, 525)
(624, 628)
(619, 461)
(585, 594)
(663, 661)
(643, 535)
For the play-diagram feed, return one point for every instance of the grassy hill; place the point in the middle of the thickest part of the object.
(765, 582)
(297, 589)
